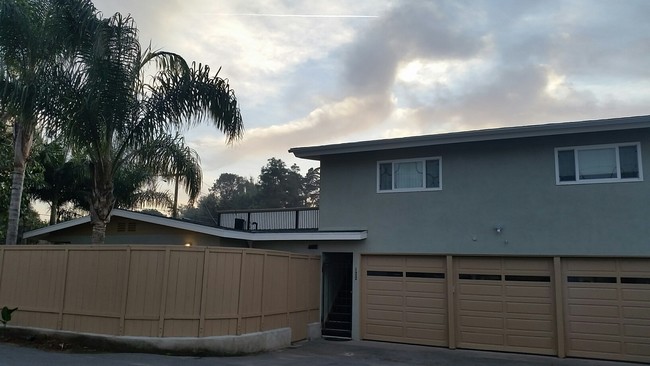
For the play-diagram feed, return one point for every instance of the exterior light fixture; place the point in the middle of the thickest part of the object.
(188, 244)
(498, 229)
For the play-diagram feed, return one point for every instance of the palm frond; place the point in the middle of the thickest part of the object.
(169, 157)
(183, 101)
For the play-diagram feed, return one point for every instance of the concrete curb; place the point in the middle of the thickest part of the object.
(214, 346)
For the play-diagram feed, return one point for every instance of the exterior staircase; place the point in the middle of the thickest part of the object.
(338, 325)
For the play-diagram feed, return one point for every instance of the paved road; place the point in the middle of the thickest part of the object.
(315, 353)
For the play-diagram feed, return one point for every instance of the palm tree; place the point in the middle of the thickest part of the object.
(33, 36)
(64, 177)
(177, 163)
(136, 186)
(117, 99)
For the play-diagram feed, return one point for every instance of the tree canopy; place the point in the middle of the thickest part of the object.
(121, 105)
(277, 186)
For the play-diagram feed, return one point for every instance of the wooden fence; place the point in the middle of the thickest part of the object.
(160, 291)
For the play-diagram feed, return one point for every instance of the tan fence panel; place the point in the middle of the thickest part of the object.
(250, 306)
(224, 277)
(183, 300)
(147, 268)
(94, 290)
(159, 291)
(314, 289)
(299, 293)
(35, 278)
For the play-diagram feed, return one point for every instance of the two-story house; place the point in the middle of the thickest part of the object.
(530, 239)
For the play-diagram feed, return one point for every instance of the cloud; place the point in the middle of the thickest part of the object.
(417, 67)
(430, 30)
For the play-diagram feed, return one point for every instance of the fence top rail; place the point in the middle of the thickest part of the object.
(150, 248)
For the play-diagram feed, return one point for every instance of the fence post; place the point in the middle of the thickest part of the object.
(241, 290)
(59, 321)
(204, 292)
(125, 290)
(297, 219)
(264, 284)
(163, 300)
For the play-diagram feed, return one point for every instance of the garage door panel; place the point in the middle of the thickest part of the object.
(635, 294)
(523, 265)
(594, 293)
(596, 346)
(386, 330)
(608, 320)
(414, 295)
(426, 319)
(383, 285)
(601, 265)
(636, 313)
(638, 349)
(424, 303)
(424, 262)
(384, 262)
(527, 324)
(487, 289)
(385, 315)
(534, 292)
(483, 306)
(506, 304)
(634, 330)
(530, 341)
(385, 300)
(470, 322)
(424, 333)
(595, 328)
(429, 288)
(529, 308)
(632, 265)
(478, 339)
(585, 310)
(463, 263)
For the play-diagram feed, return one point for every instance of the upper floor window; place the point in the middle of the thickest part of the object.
(598, 163)
(409, 175)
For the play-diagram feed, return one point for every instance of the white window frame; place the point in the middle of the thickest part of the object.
(615, 146)
(424, 176)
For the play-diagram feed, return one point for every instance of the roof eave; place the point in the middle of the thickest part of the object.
(503, 133)
(209, 230)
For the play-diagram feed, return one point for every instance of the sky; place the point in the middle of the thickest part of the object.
(310, 73)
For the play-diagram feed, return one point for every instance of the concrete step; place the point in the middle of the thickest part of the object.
(342, 333)
(333, 324)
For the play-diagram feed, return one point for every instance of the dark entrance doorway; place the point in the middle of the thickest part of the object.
(337, 296)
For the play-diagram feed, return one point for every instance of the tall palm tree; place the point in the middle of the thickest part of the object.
(116, 99)
(33, 36)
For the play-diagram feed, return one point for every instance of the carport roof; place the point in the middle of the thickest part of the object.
(210, 230)
(549, 129)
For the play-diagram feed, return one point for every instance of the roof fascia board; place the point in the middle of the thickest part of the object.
(549, 129)
(208, 230)
(55, 227)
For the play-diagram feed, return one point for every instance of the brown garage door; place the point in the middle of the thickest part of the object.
(505, 304)
(607, 307)
(404, 299)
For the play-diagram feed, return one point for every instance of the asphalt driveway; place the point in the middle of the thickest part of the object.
(315, 353)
